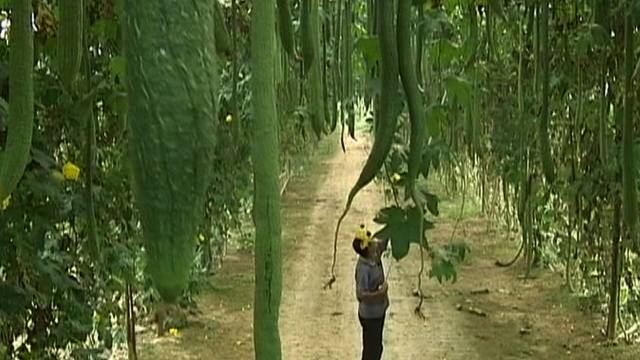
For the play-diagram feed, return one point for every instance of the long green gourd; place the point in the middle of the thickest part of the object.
(314, 81)
(408, 74)
(472, 125)
(603, 115)
(348, 68)
(326, 35)
(387, 119)
(285, 28)
(223, 39)
(266, 165)
(69, 42)
(337, 65)
(334, 70)
(472, 13)
(420, 39)
(409, 78)
(545, 148)
(172, 88)
(20, 125)
(629, 194)
(307, 29)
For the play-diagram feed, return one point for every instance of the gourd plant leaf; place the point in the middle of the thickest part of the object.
(432, 201)
(459, 88)
(435, 116)
(444, 260)
(370, 49)
(400, 228)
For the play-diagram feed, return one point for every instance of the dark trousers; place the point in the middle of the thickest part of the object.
(372, 338)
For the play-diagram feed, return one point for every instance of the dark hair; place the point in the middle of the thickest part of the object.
(357, 246)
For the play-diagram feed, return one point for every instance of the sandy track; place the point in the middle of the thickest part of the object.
(319, 324)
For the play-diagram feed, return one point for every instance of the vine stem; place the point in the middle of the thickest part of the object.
(332, 279)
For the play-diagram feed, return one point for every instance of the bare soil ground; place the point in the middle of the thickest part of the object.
(525, 319)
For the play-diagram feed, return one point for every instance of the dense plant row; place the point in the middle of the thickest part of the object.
(530, 102)
(535, 102)
(71, 245)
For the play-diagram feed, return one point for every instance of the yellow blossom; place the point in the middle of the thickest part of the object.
(71, 171)
(396, 178)
(229, 118)
(175, 332)
(363, 235)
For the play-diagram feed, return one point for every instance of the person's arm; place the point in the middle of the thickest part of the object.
(365, 295)
(372, 296)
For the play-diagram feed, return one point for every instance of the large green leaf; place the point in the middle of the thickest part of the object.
(444, 260)
(400, 228)
(459, 88)
(443, 270)
(591, 35)
(432, 201)
(107, 29)
(117, 66)
(370, 49)
(436, 23)
(14, 299)
(435, 117)
(444, 52)
(431, 159)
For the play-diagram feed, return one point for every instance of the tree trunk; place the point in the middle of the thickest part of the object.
(266, 171)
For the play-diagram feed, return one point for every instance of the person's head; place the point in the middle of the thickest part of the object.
(360, 248)
(365, 246)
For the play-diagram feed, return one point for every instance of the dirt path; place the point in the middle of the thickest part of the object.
(525, 319)
(319, 324)
(517, 318)
(316, 323)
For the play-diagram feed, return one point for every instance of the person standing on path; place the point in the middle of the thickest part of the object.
(371, 292)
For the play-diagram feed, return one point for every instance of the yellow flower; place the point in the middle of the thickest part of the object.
(5, 203)
(396, 178)
(363, 235)
(229, 118)
(175, 332)
(71, 171)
